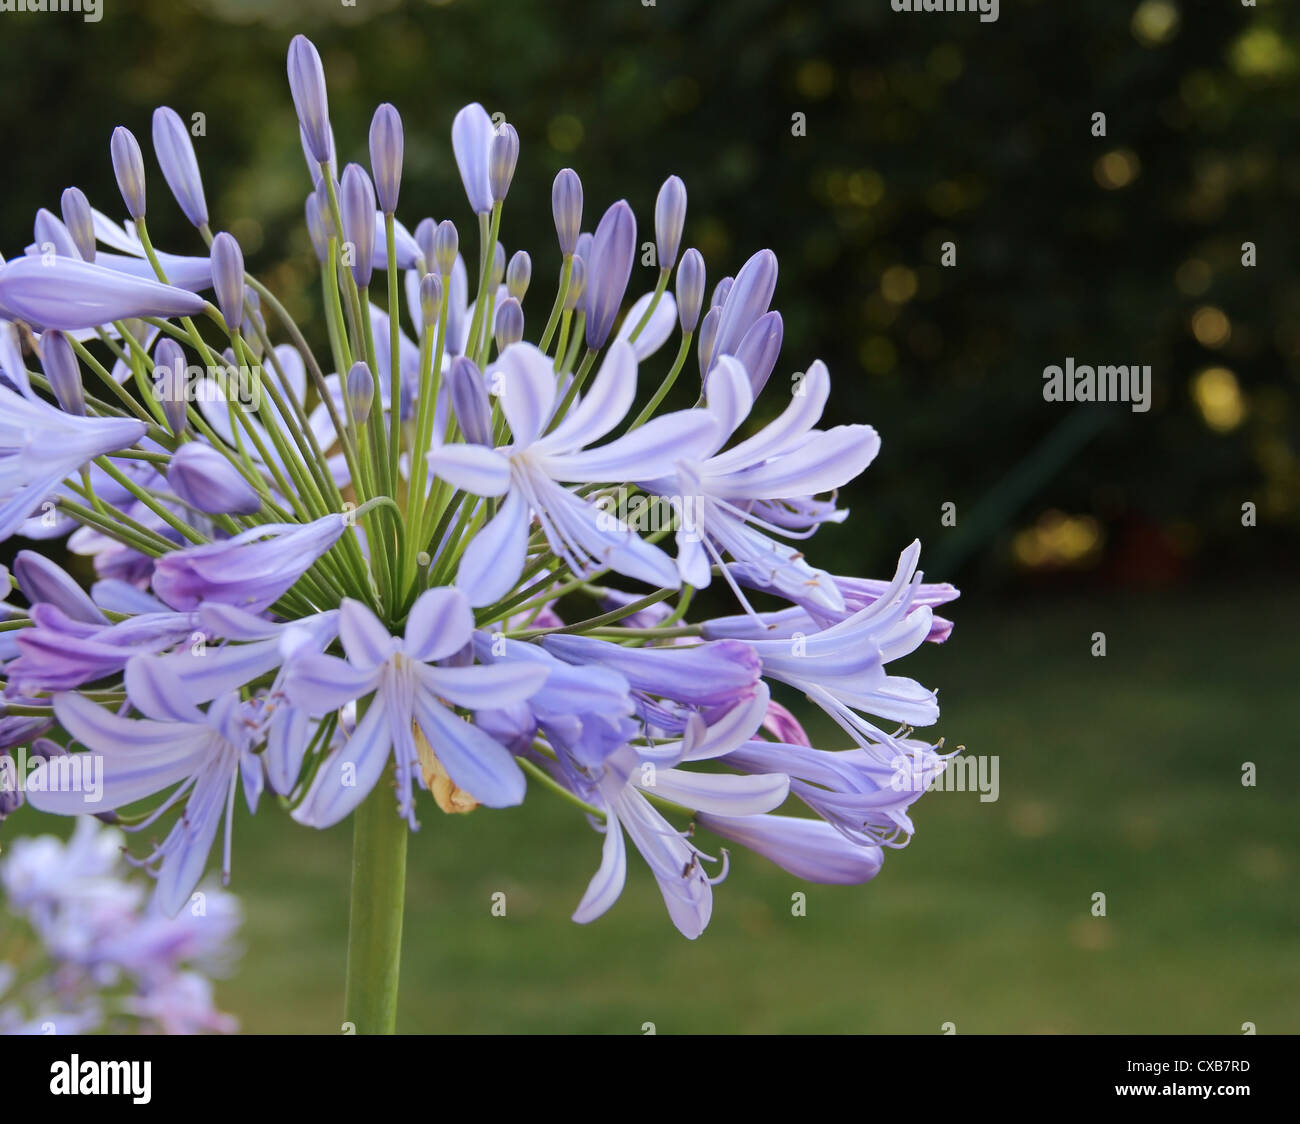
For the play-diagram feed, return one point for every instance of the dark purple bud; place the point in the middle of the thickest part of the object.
(307, 84)
(759, 350)
(228, 279)
(518, 274)
(180, 167)
(708, 337)
(360, 391)
(424, 233)
(64, 372)
(50, 232)
(430, 298)
(566, 206)
(690, 289)
(748, 299)
(203, 478)
(446, 245)
(670, 220)
(319, 225)
(386, 142)
(577, 285)
(510, 323)
(169, 382)
(613, 249)
(469, 398)
(79, 221)
(502, 158)
(128, 167)
(357, 205)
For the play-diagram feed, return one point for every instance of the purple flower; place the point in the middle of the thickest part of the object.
(608, 269)
(357, 207)
(386, 143)
(71, 294)
(40, 445)
(307, 84)
(526, 473)
(63, 371)
(690, 289)
(670, 219)
(205, 479)
(251, 570)
(808, 849)
(566, 208)
(175, 151)
(471, 141)
(503, 155)
(174, 744)
(407, 690)
(128, 167)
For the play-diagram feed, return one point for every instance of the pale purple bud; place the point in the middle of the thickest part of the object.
(510, 323)
(319, 225)
(357, 207)
(360, 391)
(169, 382)
(424, 238)
(430, 298)
(228, 279)
(498, 265)
(690, 289)
(748, 299)
(759, 350)
(79, 221)
(613, 249)
(577, 285)
(180, 167)
(205, 479)
(502, 158)
(583, 248)
(386, 143)
(49, 231)
(307, 84)
(446, 245)
(720, 291)
(708, 337)
(469, 398)
(670, 220)
(63, 371)
(128, 167)
(518, 274)
(566, 206)
(471, 141)
(72, 294)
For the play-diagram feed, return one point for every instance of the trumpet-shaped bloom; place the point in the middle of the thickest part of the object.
(408, 689)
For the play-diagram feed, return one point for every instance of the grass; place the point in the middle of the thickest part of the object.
(1119, 775)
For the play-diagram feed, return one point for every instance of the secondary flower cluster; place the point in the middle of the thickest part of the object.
(422, 570)
(83, 952)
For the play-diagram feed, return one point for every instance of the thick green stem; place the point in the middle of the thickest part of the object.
(375, 924)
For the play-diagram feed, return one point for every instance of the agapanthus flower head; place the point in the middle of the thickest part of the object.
(445, 547)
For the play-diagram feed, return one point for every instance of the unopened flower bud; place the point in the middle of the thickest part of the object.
(360, 391)
(502, 158)
(469, 399)
(169, 382)
(80, 222)
(128, 167)
(446, 245)
(307, 85)
(690, 289)
(357, 208)
(510, 323)
(577, 285)
(228, 280)
(430, 298)
(205, 479)
(566, 206)
(670, 220)
(63, 371)
(180, 167)
(518, 274)
(386, 144)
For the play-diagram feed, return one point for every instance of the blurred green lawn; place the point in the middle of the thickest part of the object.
(1120, 775)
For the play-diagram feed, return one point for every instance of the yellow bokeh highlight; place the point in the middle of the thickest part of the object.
(1155, 22)
(1211, 326)
(1058, 540)
(1218, 396)
(1117, 168)
(898, 284)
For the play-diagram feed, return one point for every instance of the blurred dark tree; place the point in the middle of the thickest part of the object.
(920, 130)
